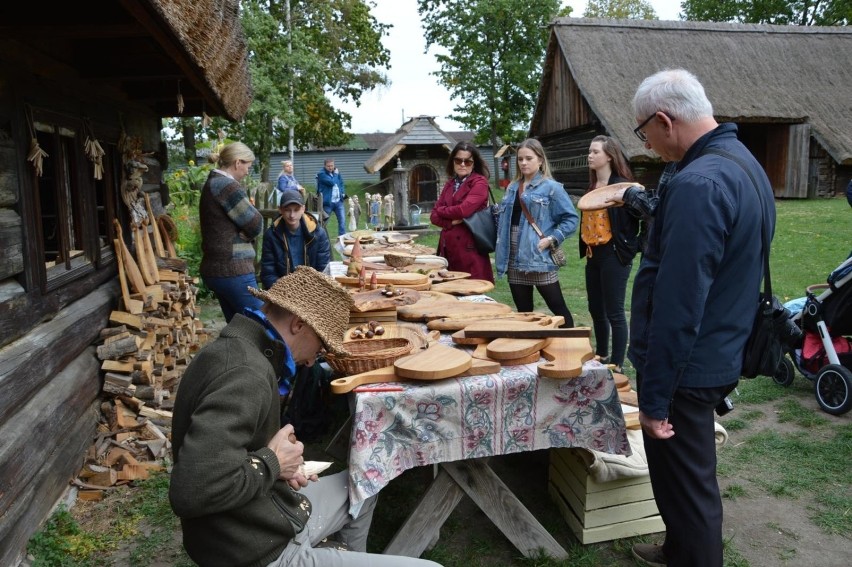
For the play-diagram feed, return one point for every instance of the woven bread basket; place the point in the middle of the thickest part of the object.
(369, 354)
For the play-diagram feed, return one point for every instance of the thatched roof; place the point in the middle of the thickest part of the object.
(417, 131)
(210, 33)
(751, 73)
(144, 50)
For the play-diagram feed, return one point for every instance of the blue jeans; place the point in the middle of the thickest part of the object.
(232, 293)
(337, 208)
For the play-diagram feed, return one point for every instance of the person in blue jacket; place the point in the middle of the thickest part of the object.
(294, 239)
(693, 306)
(330, 186)
(521, 253)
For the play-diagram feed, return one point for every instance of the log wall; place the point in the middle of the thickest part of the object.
(41, 449)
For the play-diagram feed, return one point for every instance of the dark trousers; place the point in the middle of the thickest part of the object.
(606, 285)
(683, 477)
(522, 295)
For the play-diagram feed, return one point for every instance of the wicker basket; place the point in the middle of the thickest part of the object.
(398, 260)
(369, 354)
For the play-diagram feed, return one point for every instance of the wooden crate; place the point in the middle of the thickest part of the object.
(598, 511)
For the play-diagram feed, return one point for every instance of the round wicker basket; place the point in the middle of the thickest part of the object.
(369, 354)
(399, 260)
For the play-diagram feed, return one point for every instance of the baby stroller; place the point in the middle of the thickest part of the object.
(824, 354)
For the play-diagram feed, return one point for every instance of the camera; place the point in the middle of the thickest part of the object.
(724, 406)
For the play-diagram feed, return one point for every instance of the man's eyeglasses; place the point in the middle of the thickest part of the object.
(641, 133)
(462, 161)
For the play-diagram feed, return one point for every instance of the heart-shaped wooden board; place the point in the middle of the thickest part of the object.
(565, 357)
(435, 363)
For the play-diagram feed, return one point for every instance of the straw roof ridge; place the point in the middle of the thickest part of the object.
(751, 72)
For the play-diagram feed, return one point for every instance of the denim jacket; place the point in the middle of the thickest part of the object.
(551, 209)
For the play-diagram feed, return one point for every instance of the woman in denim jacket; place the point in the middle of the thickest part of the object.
(520, 252)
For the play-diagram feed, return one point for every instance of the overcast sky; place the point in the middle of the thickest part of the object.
(412, 90)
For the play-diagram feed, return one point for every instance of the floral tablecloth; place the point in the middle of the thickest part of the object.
(480, 416)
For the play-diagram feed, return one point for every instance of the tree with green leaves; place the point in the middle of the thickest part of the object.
(328, 47)
(781, 12)
(623, 9)
(491, 58)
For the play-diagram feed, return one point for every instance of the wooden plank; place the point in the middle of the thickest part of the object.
(503, 508)
(424, 523)
(540, 333)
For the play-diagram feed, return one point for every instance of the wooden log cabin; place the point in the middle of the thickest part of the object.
(71, 73)
(786, 87)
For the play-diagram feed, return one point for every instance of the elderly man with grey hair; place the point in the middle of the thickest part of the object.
(694, 302)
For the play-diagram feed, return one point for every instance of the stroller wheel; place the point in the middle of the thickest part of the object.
(833, 389)
(786, 372)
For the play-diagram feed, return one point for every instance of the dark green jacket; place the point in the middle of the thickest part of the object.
(224, 486)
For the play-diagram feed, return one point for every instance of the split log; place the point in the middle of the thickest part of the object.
(119, 348)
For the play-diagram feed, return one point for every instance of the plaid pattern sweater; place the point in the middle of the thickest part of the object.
(229, 226)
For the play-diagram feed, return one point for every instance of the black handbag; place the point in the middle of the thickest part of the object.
(483, 226)
(764, 348)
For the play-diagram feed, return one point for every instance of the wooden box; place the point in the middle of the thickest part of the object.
(598, 511)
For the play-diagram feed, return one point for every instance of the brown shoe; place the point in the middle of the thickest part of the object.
(649, 554)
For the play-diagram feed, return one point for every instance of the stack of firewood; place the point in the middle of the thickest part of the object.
(144, 353)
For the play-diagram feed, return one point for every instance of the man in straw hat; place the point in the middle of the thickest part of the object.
(237, 483)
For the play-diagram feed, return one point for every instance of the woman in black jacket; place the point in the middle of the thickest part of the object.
(609, 241)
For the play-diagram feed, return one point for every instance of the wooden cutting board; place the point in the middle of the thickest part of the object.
(388, 374)
(599, 198)
(455, 323)
(565, 357)
(464, 287)
(435, 363)
(438, 310)
(513, 349)
(395, 278)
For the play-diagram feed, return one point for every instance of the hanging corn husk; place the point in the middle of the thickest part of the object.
(180, 103)
(36, 156)
(205, 120)
(95, 153)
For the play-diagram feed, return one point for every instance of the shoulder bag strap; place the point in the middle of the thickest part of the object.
(527, 214)
(764, 233)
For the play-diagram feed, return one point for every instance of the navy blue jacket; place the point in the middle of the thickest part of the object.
(325, 184)
(695, 294)
(275, 261)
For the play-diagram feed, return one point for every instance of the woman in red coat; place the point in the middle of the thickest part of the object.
(465, 193)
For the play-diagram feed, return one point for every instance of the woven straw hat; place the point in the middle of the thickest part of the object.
(317, 299)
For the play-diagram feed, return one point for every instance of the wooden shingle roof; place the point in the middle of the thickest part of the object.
(418, 131)
(751, 73)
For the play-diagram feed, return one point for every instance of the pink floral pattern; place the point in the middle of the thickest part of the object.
(480, 416)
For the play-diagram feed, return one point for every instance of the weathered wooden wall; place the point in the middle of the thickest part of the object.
(42, 447)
